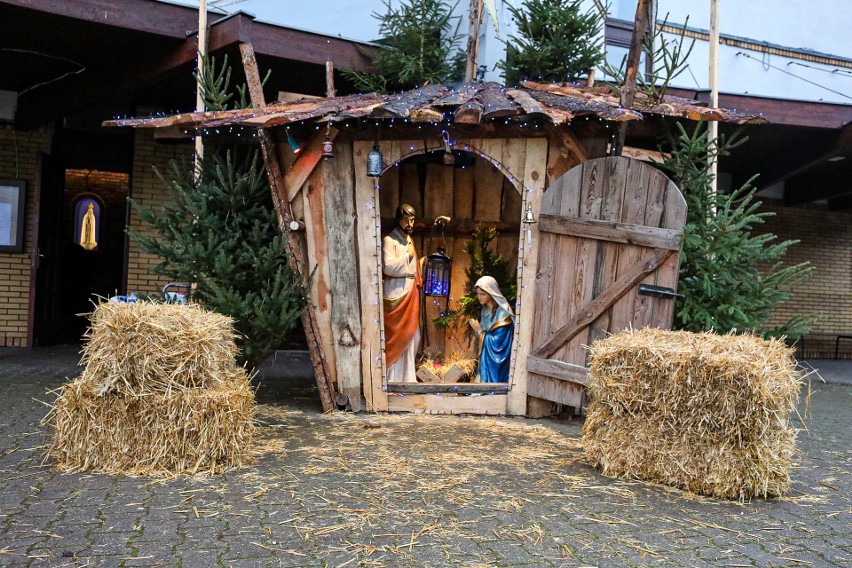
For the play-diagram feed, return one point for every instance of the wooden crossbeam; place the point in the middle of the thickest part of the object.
(627, 233)
(308, 159)
(558, 370)
(633, 275)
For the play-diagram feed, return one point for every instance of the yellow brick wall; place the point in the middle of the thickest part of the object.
(826, 241)
(19, 151)
(148, 190)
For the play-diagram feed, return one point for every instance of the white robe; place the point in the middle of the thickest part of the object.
(399, 261)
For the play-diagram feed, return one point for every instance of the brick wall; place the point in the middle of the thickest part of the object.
(19, 153)
(826, 241)
(148, 190)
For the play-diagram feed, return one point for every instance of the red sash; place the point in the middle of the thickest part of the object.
(402, 322)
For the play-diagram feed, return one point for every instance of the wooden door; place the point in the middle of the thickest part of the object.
(606, 227)
(45, 323)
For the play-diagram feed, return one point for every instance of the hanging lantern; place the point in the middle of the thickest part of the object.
(327, 144)
(375, 162)
(436, 280)
(327, 148)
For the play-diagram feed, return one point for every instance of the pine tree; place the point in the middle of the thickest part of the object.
(556, 42)
(419, 45)
(483, 262)
(219, 231)
(731, 277)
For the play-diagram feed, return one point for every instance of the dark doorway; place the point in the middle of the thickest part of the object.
(81, 257)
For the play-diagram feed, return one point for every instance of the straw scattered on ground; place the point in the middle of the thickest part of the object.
(702, 412)
(160, 395)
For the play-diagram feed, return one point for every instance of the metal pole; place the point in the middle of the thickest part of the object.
(713, 127)
(202, 54)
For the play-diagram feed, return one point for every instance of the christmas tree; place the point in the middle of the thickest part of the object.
(219, 231)
(731, 276)
(418, 46)
(556, 42)
(483, 262)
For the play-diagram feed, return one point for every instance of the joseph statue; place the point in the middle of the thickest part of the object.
(402, 284)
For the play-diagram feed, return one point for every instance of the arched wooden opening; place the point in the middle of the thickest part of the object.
(522, 162)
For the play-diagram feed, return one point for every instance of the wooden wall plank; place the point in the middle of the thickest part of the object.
(369, 244)
(627, 312)
(342, 259)
(493, 405)
(545, 289)
(513, 156)
(411, 191)
(463, 193)
(674, 216)
(607, 264)
(319, 293)
(438, 191)
(535, 163)
(488, 191)
(456, 339)
(565, 152)
(389, 192)
(556, 390)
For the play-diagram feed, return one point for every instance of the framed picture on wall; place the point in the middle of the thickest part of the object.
(12, 215)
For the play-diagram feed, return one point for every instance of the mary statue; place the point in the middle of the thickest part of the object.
(496, 326)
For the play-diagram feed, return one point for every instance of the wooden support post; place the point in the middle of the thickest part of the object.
(473, 41)
(285, 217)
(329, 79)
(628, 90)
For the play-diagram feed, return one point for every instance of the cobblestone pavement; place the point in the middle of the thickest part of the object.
(361, 490)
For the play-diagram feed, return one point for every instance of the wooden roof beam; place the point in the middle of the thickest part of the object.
(158, 18)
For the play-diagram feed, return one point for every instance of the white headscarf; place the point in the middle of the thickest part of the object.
(488, 284)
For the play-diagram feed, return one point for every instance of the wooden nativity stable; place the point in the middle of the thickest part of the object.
(595, 239)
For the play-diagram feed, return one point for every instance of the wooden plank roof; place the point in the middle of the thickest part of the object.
(469, 104)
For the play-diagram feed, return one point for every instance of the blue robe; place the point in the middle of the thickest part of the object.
(498, 328)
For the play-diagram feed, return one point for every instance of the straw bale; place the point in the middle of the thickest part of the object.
(161, 394)
(150, 347)
(703, 412)
(160, 434)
